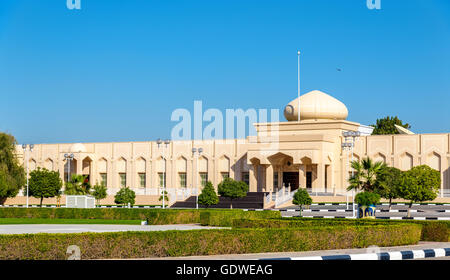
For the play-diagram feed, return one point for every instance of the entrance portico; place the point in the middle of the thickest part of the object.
(291, 171)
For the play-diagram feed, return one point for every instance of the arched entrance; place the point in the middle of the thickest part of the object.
(291, 180)
(286, 173)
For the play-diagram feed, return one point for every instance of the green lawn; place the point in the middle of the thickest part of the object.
(16, 221)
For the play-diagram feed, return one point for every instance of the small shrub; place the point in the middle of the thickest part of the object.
(301, 197)
(125, 196)
(232, 189)
(208, 196)
(99, 192)
(367, 198)
(44, 184)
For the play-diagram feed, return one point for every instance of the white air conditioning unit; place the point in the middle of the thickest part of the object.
(80, 201)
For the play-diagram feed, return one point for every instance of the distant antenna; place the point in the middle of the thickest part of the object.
(298, 110)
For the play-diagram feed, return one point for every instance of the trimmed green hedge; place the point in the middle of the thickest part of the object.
(204, 242)
(215, 217)
(302, 222)
(24, 221)
(154, 216)
(438, 231)
(225, 217)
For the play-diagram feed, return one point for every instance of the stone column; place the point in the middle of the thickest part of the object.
(253, 173)
(232, 170)
(216, 175)
(320, 177)
(131, 174)
(61, 164)
(79, 166)
(110, 172)
(302, 176)
(331, 180)
(191, 174)
(261, 178)
(269, 178)
(93, 174)
(280, 179)
(148, 174)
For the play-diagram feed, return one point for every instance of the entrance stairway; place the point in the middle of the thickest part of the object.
(253, 200)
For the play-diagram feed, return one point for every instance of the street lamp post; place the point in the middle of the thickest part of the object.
(352, 135)
(24, 147)
(166, 143)
(298, 86)
(68, 157)
(194, 151)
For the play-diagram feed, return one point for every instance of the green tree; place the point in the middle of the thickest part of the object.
(12, 175)
(365, 174)
(44, 183)
(99, 192)
(166, 197)
(124, 196)
(208, 196)
(78, 185)
(367, 198)
(388, 183)
(301, 197)
(232, 189)
(421, 183)
(387, 126)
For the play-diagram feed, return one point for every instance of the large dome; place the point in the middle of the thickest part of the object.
(316, 105)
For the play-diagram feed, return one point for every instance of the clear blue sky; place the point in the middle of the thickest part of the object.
(115, 70)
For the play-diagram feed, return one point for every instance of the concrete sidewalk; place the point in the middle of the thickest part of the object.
(420, 246)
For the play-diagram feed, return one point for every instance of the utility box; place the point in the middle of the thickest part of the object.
(80, 201)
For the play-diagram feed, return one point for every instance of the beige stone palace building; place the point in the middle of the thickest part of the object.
(291, 154)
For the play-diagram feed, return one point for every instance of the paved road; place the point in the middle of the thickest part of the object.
(397, 211)
(36, 228)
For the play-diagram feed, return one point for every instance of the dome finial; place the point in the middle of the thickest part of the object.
(298, 80)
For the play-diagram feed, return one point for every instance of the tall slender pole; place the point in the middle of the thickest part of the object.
(164, 179)
(353, 174)
(196, 185)
(298, 86)
(26, 158)
(68, 170)
(192, 183)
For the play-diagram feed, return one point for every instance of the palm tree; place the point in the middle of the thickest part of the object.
(365, 174)
(78, 185)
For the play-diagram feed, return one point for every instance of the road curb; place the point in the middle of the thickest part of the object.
(381, 218)
(396, 255)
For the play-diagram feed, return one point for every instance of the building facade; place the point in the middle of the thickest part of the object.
(292, 154)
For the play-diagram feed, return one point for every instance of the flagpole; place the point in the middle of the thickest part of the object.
(298, 110)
